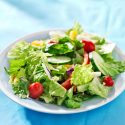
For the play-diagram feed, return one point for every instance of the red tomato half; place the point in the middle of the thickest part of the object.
(35, 90)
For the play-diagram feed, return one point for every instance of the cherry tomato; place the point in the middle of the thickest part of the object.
(35, 90)
(108, 81)
(67, 84)
(88, 46)
(86, 58)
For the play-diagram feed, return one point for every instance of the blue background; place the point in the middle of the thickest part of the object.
(21, 17)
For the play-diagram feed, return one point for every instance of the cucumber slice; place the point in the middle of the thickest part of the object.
(59, 60)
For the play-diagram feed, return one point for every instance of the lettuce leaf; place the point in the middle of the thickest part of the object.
(59, 49)
(55, 89)
(96, 88)
(70, 103)
(109, 67)
(19, 50)
(81, 75)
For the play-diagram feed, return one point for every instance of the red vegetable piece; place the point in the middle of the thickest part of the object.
(88, 46)
(108, 81)
(67, 84)
(35, 90)
(86, 58)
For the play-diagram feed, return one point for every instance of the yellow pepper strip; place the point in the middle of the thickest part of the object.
(73, 34)
(37, 43)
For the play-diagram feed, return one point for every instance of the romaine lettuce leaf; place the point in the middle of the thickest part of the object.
(82, 88)
(55, 89)
(15, 65)
(82, 74)
(97, 88)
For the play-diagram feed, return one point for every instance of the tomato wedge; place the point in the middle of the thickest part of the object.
(67, 84)
(86, 58)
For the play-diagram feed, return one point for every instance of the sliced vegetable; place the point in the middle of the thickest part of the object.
(67, 84)
(111, 67)
(59, 60)
(70, 70)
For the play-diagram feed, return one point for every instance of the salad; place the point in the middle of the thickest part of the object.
(66, 69)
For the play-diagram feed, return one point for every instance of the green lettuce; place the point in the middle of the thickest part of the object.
(109, 67)
(81, 75)
(70, 103)
(59, 49)
(19, 50)
(55, 89)
(97, 88)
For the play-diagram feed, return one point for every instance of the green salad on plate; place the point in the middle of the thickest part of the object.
(66, 69)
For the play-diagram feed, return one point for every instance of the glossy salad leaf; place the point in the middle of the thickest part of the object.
(81, 75)
(15, 65)
(59, 49)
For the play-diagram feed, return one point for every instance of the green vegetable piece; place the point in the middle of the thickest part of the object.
(72, 104)
(64, 40)
(82, 88)
(60, 100)
(59, 49)
(15, 65)
(21, 88)
(81, 74)
(70, 93)
(47, 98)
(55, 89)
(96, 88)
(59, 59)
(109, 67)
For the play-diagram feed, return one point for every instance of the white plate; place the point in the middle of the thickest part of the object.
(50, 108)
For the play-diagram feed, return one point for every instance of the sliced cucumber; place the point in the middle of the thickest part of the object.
(59, 60)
